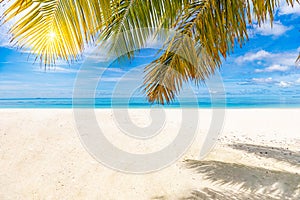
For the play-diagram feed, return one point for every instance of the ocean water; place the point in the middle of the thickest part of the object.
(123, 77)
(231, 102)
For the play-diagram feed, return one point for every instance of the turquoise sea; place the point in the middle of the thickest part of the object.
(23, 86)
(241, 102)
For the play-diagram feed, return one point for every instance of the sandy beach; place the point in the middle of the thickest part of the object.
(257, 156)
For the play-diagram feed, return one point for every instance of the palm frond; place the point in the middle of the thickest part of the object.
(214, 28)
(184, 60)
(134, 21)
(54, 29)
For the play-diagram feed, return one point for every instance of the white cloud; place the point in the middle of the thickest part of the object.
(274, 68)
(263, 80)
(110, 69)
(118, 70)
(267, 30)
(281, 83)
(297, 81)
(213, 91)
(286, 9)
(282, 58)
(56, 70)
(284, 84)
(117, 79)
(252, 56)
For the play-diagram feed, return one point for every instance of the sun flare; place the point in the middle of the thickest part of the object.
(52, 35)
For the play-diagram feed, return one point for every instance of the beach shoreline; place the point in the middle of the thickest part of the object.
(257, 153)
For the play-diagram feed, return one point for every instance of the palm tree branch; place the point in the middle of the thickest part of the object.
(213, 29)
(54, 29)
(127, 32)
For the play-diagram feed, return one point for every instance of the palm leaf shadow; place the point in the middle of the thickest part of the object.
(277, 184)
(280, 154)
(209, 193)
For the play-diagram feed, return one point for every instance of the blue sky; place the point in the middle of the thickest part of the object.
(264, 67)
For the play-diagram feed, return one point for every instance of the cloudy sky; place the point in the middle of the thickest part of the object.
(265, 66)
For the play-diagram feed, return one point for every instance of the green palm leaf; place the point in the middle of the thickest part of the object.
(206, 31)
(134, 21)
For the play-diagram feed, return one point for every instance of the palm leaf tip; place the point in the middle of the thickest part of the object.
(160, 94)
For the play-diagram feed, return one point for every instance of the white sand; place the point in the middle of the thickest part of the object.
(257, 156)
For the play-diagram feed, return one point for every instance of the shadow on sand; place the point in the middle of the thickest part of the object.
(211, 194)
(280, 154)
(233, 181)
(259, 183)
